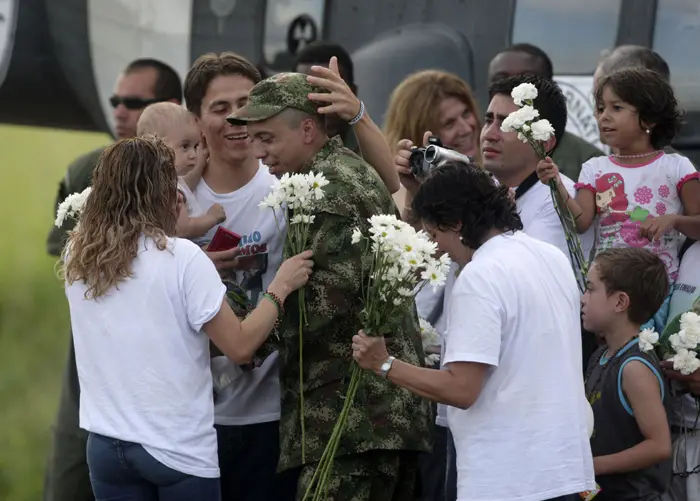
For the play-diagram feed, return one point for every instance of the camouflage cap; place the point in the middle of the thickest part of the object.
(274, 95)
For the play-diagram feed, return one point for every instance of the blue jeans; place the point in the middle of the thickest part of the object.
(125, 471)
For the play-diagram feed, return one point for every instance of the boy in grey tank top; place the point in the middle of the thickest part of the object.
(631, 442)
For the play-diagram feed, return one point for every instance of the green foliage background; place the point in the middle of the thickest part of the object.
(34, 318)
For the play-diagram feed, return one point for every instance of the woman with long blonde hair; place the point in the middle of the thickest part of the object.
(144, 305)
(432, 102)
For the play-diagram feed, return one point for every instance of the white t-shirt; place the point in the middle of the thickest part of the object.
(686, 292)
(251, 396)
(628, 195)
(516, 308)
(143, 360)
(540, 219)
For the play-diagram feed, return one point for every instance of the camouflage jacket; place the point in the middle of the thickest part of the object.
(78, 177)
(384, 415)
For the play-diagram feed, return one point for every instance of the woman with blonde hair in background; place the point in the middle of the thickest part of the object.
(144, 305)
(435, 102)
(432, 102)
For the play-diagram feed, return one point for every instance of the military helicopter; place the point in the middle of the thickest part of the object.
(59, 58)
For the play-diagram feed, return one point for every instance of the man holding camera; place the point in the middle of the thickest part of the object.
(511, 161)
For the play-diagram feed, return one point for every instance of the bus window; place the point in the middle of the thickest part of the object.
(289, 25)
(677, 38)
(573, 33)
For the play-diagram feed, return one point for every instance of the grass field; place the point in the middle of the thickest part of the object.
(33, 309)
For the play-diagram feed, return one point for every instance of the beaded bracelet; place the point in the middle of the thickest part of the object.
(359, 115)
(276, 301)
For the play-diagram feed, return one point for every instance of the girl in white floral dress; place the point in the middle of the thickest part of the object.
(639, 196)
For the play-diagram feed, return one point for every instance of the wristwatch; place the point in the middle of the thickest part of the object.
(386, 367)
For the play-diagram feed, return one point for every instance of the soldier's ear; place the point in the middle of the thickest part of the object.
(310, 130)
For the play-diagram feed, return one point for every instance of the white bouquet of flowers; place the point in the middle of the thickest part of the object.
(401, 263)
(72, 206)
(681, 347)
(296, 196)
(537, 132)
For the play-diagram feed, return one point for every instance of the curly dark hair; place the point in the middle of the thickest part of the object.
(462, 193)
(550, 100)
(653, 98)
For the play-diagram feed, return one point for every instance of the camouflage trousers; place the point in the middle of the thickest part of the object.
(371, 476)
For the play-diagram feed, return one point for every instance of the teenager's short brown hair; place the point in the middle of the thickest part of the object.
(640, 274)
(209, 66)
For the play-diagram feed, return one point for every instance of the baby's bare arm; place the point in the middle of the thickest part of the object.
(194, 227)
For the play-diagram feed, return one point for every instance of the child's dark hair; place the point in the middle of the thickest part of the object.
(462, 193)
(653, 98)
(550, 100)
(640, 274)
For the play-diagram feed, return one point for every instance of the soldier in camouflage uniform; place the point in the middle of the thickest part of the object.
(388, 426)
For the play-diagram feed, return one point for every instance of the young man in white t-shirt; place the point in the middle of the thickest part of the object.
(512, 364)
(247, 405)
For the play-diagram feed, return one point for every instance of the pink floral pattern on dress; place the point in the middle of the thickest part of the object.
(643, 195)
(660, 208)
(664, 191)
(630, 234)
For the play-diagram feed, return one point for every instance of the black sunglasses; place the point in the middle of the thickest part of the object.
(132, 103)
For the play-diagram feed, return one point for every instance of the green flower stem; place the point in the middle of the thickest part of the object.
(573, 242)
(296, 242)
(579, 262)
(321, 479)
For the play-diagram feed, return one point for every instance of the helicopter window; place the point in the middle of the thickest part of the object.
(289, 25)
(588, 28)
(676, 38)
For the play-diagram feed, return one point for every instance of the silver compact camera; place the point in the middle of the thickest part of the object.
(425, 158)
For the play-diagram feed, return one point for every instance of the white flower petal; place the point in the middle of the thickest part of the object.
(542, 130)
(524, 92)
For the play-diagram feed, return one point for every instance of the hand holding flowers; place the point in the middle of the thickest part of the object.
(400, 261)
(537, 133)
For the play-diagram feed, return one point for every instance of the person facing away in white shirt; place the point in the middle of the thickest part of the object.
(139, 300)
(512, 367)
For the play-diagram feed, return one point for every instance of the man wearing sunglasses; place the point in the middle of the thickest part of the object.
(143, 82)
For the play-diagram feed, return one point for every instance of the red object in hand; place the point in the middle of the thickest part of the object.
(223, 240)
